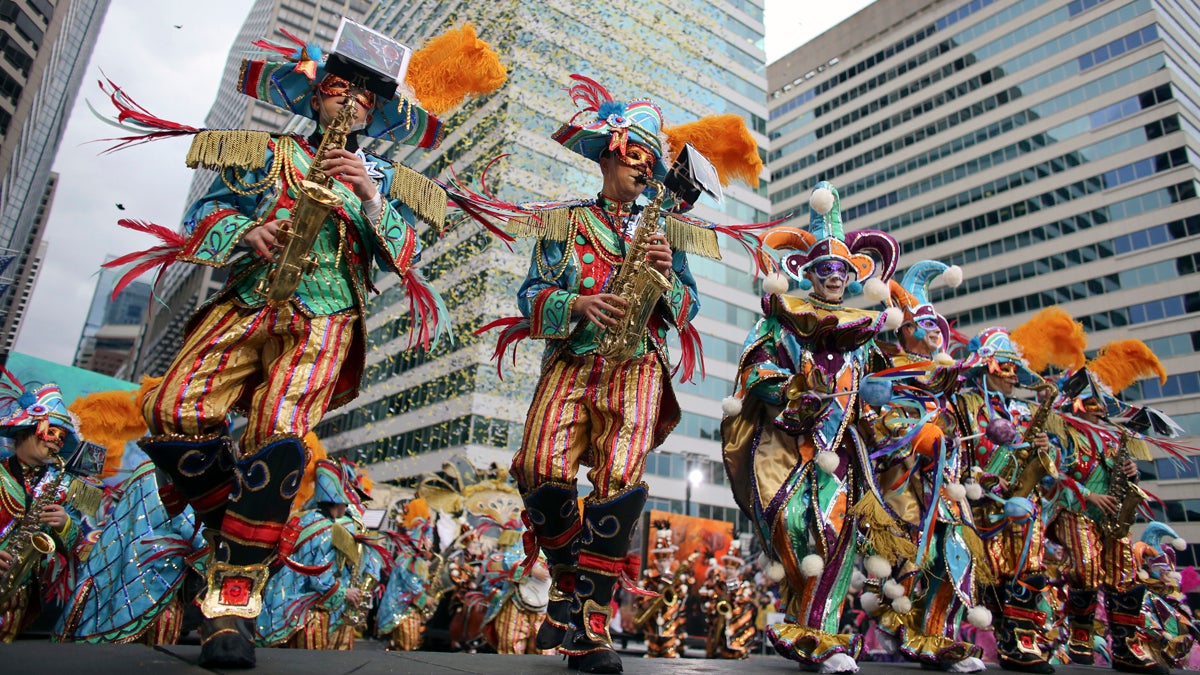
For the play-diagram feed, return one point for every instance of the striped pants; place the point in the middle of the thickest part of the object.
(591, 412)
(286, 362)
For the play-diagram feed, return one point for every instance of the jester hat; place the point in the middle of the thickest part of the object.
(37, 409)
(609, 124)
(1157, 533)
(994, 346)
(438, 77)
(825, 239)
(911, 295)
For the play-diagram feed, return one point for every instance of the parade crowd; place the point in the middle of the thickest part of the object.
(910, 490)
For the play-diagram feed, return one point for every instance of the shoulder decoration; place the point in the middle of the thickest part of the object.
(218, 149)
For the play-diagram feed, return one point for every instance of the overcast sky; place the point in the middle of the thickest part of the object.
(174, 73)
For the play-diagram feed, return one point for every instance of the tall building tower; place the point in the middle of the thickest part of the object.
(1047, 146)
(185, 287)
(695, 59)
(45, 45)
(112, 326)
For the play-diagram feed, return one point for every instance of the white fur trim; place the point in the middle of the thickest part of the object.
(827, 461)
(973, 490)
(878, 567)
(870, 602)
(776, 283)
(956, 491)
(731, 406)
(979, 616)
(876, 290)
(970, 664)
(775, 571)
(943, 359)
(893, 589)
(812, 565)
(892, 318)
(1178, 543)
(902, 605)
(839, 663)
(953, 276)
(821, 200)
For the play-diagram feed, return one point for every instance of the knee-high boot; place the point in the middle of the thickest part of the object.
(608, 527)
(201, 469)
(1081, 618)
(553, 513)
(1127, 625)
(1022, 622)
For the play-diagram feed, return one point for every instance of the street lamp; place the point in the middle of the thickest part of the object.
(694, 477)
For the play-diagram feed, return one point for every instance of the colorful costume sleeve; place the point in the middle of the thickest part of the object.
(216, 223)
(394, 236)
(764, 377)
(546, 296)
(682, 300)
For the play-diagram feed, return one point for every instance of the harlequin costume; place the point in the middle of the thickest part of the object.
(921, 603)
(516, 597)
(730, 607)
(39, 412)
(412, 591)
(796, 457)
(285, 363)
(606, 414)
(362, 565)
(995, 429)
(661, 616)
(1172, 631)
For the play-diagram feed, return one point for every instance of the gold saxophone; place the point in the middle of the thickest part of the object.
(313, 205)
(638, 283)
(25, 540)
(1121, 487)
(1032, 464)
(665, 599)
(356, 615)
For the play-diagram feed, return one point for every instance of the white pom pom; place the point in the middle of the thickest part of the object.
(878, 567)
(974, 490)
(776, 283)
(1143, 575)
(952, 276)
(775, 571)
(857, 580)
(902, 605)
(956, 491)
(870, 603)
(893, 589)
(812, 565)
(943, 359)
(876, 290)
(1175, 577)
(730, 406)
(827, 461)
(892, 318)
(821, 200)
(979, 616)
(1179, 543)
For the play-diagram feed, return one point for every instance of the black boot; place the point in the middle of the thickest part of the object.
(1081, 618)
(553, 513)
(1125, 621)
(608, 527)
(201, 469)
(261, 499)
(232, 599)
(1020, 630)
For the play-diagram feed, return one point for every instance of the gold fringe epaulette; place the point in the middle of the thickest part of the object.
(219, 149)
(424, 196)
(344, 542)
(692, 239)
(1138, 449)
(551, 223)
(85, 497)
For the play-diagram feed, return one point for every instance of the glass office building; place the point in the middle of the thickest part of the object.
(1049, 147)
(694, 59)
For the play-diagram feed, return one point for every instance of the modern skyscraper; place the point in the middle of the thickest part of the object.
(112, 326)
(693, 58)
(45, 47)
(185, 287)
(1049, 147)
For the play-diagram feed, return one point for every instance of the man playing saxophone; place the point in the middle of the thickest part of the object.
(1093, 508)
(37, 513)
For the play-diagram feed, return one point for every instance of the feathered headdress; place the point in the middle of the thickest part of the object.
(1051, 338)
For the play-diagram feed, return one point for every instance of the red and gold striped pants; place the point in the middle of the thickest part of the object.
(287, 361)
(1092, 560)
(592, 412)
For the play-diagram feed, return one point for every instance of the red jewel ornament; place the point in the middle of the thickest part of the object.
(235, 591)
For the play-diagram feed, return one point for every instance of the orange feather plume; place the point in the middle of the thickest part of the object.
(308, 482)
(111, 419)
(1051, 338)
(452, 66)
(417, 509)
(725, 141)
(1121, 363)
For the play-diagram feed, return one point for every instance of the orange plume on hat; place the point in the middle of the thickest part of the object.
(1121, 363)
(417, 509)
(110, 419)
(452, 66)
(725, 141)
(308, 482)
(1051, 338)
